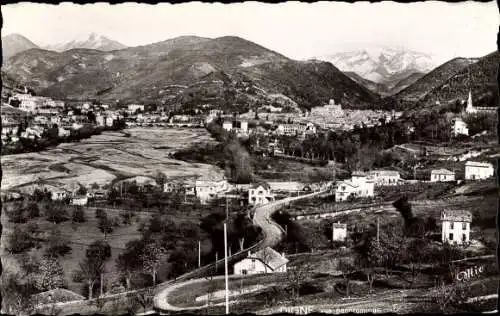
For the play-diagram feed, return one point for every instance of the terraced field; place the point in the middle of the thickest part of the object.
(103, 158)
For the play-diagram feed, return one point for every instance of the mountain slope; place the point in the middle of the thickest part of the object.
(88, 41)
(433, 79)
(450, 83)
(228, 71)
(382, 65)
(483, 83)
(15, 43)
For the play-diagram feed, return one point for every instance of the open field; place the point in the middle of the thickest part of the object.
(80, 236)
(104, 158)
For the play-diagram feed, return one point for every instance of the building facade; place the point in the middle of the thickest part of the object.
(478, 170)
(266, 260)
(385, 177)
(456, 227)
(339, 231)
(442, 175)
(260, 194)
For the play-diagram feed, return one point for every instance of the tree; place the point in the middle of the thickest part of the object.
(346, 266)
(105, 225)
(56, 213)
(33, 210)
(58, 245)
(20, 240)
(50, 275)
(298, 274)
(160, 178)
(16, 295)
(93, 265)
(81, 190)
(151, 258)
(78, 215)
(129, 261)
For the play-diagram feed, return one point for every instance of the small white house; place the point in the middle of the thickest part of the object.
(80, 200)
(442, 175)
(339, 231)
(260, 194)
(385, 177)
(266, 260)
(58, 195)
(227, 125)
(478, 170)
(209, 187)
(359, 185)
(456, 226)
(459, 127)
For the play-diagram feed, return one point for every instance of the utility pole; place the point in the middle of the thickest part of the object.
(378, 230)
(227, 211)
(102, 284)
(216, 259)
(225, 264)
(199, 253)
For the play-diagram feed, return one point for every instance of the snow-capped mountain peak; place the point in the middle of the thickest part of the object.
(381, 65)
(90, 41)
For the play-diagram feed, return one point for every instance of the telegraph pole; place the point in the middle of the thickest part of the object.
(199, 253)
(227, 211)
(225, 264)
(378, 230)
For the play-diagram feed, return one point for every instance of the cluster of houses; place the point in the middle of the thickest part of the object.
(474, 170)
(43, 113)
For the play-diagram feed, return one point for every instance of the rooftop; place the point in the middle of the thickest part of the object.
(270, 257)
(456, 215)
(442, 171)
(478, 164)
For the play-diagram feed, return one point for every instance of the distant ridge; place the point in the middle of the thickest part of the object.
(228, 71)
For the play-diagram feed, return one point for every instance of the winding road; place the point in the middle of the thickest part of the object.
(273, 234)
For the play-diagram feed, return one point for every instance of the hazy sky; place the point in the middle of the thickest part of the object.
(297, 30)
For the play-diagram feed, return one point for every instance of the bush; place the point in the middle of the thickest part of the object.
(20, 240)
(78, 215)
(99, 213)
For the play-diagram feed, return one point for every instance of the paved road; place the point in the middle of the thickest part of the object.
(273, 234)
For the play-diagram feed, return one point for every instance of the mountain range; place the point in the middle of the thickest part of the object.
(384, 70)
(451, 82)
(229, 71)
(15, 43)
(89, 41)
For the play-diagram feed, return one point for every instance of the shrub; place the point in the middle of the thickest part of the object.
(78, 215)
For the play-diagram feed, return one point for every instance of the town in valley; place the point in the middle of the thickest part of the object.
(214, 175)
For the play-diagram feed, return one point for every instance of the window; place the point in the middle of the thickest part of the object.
(464, 226)
(464, 238)
(450, 237)
(244, 271)
(451, 225)
(343, 188)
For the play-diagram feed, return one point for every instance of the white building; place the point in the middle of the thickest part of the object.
(339, 231)
(385, 177)
(100, 120)
(227, 125)
(62, 132)
(331, 109)
(296, 129)
(260, 194)
(134, 107)
(209, 187)
(442, 175)
(478, 170)
(80, 200)
(58, 195)
(266, 260)
(456, 226)
(358, 186)
(459, 127)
